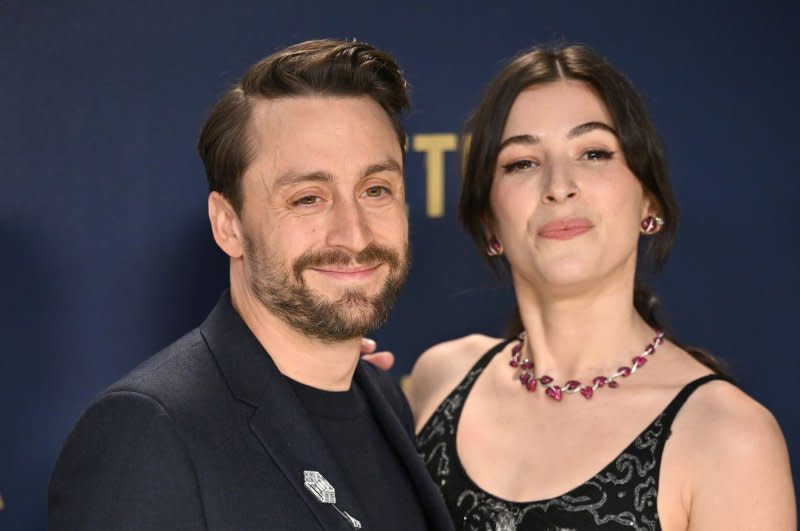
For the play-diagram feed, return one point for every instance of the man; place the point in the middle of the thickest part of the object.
(263, 417)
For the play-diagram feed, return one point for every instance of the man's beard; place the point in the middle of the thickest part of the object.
(353, 315)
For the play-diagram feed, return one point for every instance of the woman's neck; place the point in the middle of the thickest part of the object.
(583, 334)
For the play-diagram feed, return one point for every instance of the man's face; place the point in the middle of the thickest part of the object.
(324, 215)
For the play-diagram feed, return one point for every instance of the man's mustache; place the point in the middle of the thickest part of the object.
(371, 254)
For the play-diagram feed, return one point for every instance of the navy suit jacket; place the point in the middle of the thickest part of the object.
(208, 434)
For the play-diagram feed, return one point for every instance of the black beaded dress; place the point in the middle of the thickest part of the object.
(622, 496)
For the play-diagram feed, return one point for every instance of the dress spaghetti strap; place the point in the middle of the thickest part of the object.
(453, 400)
(671, 411)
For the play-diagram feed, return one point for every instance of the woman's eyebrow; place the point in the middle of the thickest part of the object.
(518, 139)
(590, 126)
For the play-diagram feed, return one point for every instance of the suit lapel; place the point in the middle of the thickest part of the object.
(283, 427)
(279, 422)
(428, 494)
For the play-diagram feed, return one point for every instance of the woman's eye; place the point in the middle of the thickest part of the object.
(376, 191)
(519, 166)
(598, 154)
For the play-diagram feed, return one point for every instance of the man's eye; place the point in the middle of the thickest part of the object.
(519, 165)
(597, 154)
(376, 191)
(306, 200)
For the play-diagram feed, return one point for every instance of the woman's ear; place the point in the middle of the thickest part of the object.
(494, 246)
(651, 207)
(651, 216)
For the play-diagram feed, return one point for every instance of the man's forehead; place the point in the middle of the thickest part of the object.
(320, 138)
(268, 111)
(318, 119)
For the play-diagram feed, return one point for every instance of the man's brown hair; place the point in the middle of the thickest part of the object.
(317, 67)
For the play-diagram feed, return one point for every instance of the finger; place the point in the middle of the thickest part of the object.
(383, 360)
(368, 345)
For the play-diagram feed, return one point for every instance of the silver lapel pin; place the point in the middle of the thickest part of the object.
(324, 492)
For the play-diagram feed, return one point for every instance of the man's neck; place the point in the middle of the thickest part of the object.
(325, 365)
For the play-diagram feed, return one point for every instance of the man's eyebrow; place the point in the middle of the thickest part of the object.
(590, 126)
(292, 177)
(518, 139)
(386, 165)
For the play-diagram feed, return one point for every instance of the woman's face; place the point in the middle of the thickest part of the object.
(565, 205)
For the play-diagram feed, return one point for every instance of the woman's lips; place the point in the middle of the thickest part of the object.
(564, 229)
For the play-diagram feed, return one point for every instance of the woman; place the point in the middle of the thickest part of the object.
(590, 418)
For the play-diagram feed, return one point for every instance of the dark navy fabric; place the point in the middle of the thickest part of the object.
(208, 434)
(375, 474)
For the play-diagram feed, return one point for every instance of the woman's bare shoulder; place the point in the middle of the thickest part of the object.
(738, 460)
(439, 369)
(719, 410)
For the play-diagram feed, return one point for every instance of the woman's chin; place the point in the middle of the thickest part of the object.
(569, 279)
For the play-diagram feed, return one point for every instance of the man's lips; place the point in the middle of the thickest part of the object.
(564, 229)
(352, 272)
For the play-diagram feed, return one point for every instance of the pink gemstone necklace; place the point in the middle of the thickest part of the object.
(529, 381)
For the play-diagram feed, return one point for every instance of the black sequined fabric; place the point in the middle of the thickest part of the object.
(622, 496)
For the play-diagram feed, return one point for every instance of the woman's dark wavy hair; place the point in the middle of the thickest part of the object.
(317, 67)
(638, 138)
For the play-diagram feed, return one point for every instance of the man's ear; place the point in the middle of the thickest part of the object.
(225, 225)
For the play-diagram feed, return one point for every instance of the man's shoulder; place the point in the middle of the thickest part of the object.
(126, 461)
(173, 375)
(178, 390)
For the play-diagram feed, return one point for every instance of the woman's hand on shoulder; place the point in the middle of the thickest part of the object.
(383, 360)
(741, 478)
(439, 369)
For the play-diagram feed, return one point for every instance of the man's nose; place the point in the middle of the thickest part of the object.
(349, 227)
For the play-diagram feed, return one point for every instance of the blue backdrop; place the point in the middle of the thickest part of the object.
(107, 254)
